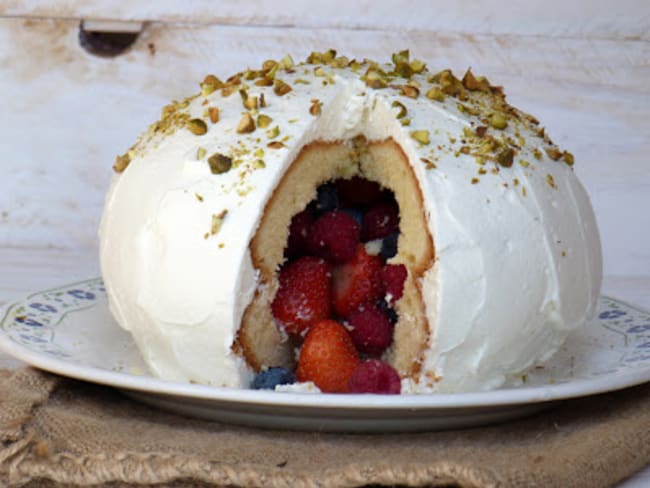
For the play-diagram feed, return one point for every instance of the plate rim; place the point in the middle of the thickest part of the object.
(434, 401)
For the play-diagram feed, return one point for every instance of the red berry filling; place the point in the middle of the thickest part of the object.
(338, 293)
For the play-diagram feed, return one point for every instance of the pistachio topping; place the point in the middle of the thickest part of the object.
(428, 164)
(376, 78)
(475, 84)
(262, 100)
(121, 162)
(213, 114)
(201, 152)
(553, 153)
(435, 94)
(273, 133)
(551, 181)
(410, 91)
(263, 121)
(210, 84)
(505, 157)
(219, 163)
(197, 126)
(281, 88)
(568, 158)
(422, 136)
(246, 124)
(217, 221)
(250, 102)
(401, 109)
(315, 107)
(498, 121)
(275, 145)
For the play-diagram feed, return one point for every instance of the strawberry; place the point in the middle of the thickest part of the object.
(298, 232)
(304, 294)
(375, 376)
(327, 357)
(380, 221)
(370, 329)
(356, 282)
(358, 191)
(334, 236)
(393, 277)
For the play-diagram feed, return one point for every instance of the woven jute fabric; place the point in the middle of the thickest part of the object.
(61, 432)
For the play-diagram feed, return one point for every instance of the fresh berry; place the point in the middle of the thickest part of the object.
(334, 236)
(356, 282)
(375, 376)
(393, 276)
(298, 232)
(388, 310)
(304, 294)
(327, 198)
(327, 357)
(370, 329)
(389, 246)
(269, 378)
(356, 214)
(380, 221)
(358, 192)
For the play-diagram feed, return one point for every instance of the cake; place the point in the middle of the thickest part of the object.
(496, 235)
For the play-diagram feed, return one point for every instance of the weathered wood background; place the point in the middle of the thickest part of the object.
(583, 68)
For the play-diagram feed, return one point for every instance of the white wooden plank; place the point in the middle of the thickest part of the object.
(68, 113)
(626, 19)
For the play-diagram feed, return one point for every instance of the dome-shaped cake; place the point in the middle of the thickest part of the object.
(497, 236)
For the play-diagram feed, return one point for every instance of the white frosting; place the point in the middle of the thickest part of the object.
(518, 261)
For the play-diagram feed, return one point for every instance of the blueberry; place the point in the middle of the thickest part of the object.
(389, 246)
(327, 198)
(269, 378)
(384, 307)
(356, 214)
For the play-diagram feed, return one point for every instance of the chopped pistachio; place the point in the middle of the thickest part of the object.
(246, 124)
(219, 163)
(405, 121)
(551, 181)
(213, 113)
(121, 162)
(319, 71)
(210, 84)
(553, 153)
(264, 82)
(197, 126)
(275, 145)
(217, 221)
(201, 152)
(474, 181)
(498, 121)
(435, 94)
(375, 78)
(250, 102)
(401, 57)
(481, 130)
(259, 164)
(262, 100)
(505, 157)
(402, 109)
(422, 136)
(417, 66)
(273, 133)
(259, 153)
(199, 197)
(537, 153)
(263, 121)
(523, 163)
(315, 107)
(301, 81)
(287, 62)
(475, 84)
(281, 88)
(428, 164)
(568, 158)
(410, 91)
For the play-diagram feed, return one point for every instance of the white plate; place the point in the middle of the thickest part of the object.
(69, 331)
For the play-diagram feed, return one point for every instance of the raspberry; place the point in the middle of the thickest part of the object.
(269, 378)
(380, 221)
(358, 192)
(375, 376)
(304, 294)
(327, 357)
(334, 236)
(298, 232)
(393, 276)
(371, 329)
(356, 282)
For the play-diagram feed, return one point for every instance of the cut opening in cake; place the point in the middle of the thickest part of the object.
(343, 211)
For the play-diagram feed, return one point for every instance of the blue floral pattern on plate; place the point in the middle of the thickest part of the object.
(616, 341)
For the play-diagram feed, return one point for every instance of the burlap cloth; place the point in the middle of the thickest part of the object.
(60, 432)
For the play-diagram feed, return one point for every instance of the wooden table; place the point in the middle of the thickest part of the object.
(583, 68)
